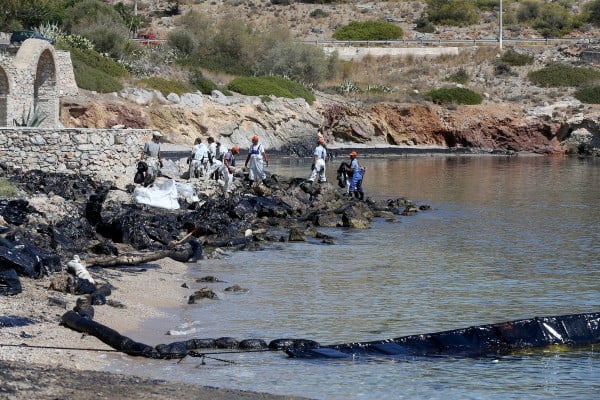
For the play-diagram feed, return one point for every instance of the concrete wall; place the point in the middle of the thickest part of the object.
(357, 53)
(105, 154)
(591, 56)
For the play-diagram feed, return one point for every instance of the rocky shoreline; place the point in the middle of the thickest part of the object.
(137, 254)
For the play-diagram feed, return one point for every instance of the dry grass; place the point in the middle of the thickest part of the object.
(403, 74)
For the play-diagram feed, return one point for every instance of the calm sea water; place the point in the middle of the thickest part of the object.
(507, 238)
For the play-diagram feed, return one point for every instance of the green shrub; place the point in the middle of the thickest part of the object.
(529, 10)
(100, 23)
(99, 62)
(369, 30)
(97, 72)
(7, 189)
(301, 62)
(516, 59)
(206, 86)
(593, 12)
(459, 76)
(553, 21)
(222, 62)
(183, 41)
(558, 75)
(454, 96)
(489, 5)
(110, 39)
(589, 95)
(166, 86)
(90, 78)
(452, 12)
(424, 25)
(296, 89)
(231, 47)
(270, 85)
(69, 42)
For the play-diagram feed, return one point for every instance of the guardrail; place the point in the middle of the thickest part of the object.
(149, 42)
(401, 42)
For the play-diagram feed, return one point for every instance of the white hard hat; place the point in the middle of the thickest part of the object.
(157, 134)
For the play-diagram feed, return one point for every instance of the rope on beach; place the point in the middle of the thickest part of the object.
(57, 347)
(203, 356)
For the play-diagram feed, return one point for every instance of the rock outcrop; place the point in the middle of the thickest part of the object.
(290, 125)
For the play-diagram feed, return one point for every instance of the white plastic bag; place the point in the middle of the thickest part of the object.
(186, 192)
(162, 194)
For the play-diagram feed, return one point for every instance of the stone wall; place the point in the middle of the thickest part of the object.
(105, 154)
(66, 77)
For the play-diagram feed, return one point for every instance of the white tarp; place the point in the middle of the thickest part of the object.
(162, 193)
(186, 192)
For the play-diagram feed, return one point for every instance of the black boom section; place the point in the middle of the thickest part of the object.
(476, 341)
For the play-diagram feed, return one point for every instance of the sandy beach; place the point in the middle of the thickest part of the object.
(41, 360)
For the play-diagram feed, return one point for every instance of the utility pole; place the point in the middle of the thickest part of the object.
(500, 25)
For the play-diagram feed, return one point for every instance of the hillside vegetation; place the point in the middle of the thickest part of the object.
(206, 45)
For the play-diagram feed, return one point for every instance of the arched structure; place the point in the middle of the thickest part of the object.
(36, 69)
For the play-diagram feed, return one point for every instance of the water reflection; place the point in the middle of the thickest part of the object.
(508, 238)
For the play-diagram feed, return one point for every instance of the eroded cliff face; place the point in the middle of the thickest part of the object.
(291, 125)
(564, 127)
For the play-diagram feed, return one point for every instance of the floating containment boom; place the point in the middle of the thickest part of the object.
(476, 341)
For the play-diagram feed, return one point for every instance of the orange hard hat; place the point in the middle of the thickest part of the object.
(235, 149)
(353, 154)
(254, 138)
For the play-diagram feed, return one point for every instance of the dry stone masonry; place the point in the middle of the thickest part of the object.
(30, 76)
(107, 154)
(35, 76)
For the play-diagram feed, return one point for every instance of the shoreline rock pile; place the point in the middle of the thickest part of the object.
(58, 216)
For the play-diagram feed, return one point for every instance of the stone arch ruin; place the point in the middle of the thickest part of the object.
(29, 80)
(37, 75)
